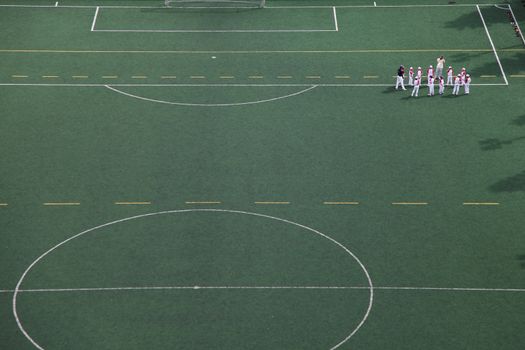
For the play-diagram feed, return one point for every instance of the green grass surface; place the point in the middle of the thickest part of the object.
(350, 138)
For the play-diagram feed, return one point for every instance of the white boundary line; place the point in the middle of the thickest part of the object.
(492, 44)
(210, 30)
(95, 19)
(517, 23)
(211, 104)
(335, 20)
(266, 7)
(148, 288)
(363, 268)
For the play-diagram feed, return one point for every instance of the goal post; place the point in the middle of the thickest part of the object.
(214, 3)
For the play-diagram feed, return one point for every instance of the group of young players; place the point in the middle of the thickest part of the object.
(434, 76)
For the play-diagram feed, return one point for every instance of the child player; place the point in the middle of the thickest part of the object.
(467, 84)
(419, 73)
(450, 75)
(457, 84)
(430, 86)
(417, 82)
(441, 85)
(411, 76)
(430, 72)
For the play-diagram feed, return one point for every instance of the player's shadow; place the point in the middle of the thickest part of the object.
(511, 63)
(521, 259)
(493, 144)
(519, 121)
(511, 184)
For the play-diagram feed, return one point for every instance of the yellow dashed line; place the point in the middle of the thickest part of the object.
(284, 77)
(139, 77)
(481, 203)
(409, 203)
(204, 202)
(50, 76)
(256, 77)
(168, 77)
(227, 77)
(132, 203)
(313, 77)
(272, 203)
(341, 203)
(61, 203)
(342, 77)
(19, 76)
(371, 76)
(110, 76)
(487, 76)
(517, 76)
(79, 76)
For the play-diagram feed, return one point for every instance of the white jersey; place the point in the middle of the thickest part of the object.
(441, 82)
(450, 72)
(419, 73)
(430, 72)
(417, 82)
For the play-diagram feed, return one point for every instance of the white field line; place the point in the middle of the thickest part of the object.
(213, 30)
(147, 288)
(492, 44)
(335, 20)
(95, 19)
(251, 7)
(246, 52)
(56, 4)
(211, 104)
(375, 4)
(517, 24)
(217, 85)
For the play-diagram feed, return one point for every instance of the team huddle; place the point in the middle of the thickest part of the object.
(434, 77)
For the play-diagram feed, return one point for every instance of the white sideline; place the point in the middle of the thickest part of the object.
(492, 44)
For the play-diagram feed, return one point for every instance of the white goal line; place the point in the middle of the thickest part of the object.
(98, 8)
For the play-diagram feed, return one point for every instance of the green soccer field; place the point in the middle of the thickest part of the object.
(219, 176)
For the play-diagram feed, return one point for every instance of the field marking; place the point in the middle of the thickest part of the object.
(60, 203)
(56, 4)
(335, 19)
(481, 203)
(371, 77)
(168, 77)
(50, 76)
(517, 23)
(251, 7)
(332, 240)
(79, 76)
(203, 202)
(214, 85)
(409, 203)
(255, 77)
(139, 77)
(492, 44)
(342, 77)
(272, 203)
(341, 203)
(284, 77)
(226, 77)
(132, 203)
(487, 76)
(3, 204)
(19, 76)
(109, 76)
(518, 76)
(197, 287)
(210, 104)
(95, 19)
(197, 77)
(243, 52)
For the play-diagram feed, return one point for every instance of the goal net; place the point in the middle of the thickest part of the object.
(215, 3)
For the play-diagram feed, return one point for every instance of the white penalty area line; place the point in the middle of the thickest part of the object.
(197, 287)
(492, 44)
(335, 19)
(95, 19)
